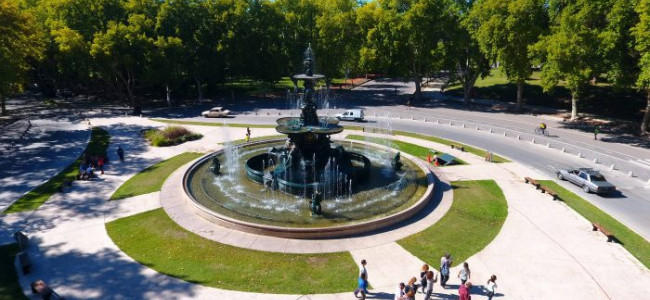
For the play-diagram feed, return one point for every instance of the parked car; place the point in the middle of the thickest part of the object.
(351, 115)
(590, 180)
(216, 112)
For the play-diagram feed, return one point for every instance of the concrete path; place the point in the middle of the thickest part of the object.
(544, 250)
(32, 151)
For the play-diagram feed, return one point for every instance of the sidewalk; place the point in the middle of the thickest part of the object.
(544, 249)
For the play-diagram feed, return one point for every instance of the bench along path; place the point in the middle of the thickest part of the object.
(547, 251)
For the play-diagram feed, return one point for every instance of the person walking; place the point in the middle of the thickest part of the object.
(423, 277)
(120, 153)
(401, 292)
(463, 291)
(248, 131)
(596, 131)
(362, 286)
(464, 274)
(491, 286)
(431, 278)
(411, 289)
(364, 272)
(445, 262)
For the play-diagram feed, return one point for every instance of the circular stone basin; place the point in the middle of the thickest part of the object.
(233, 200)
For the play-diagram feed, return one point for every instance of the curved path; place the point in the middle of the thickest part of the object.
(543, 250)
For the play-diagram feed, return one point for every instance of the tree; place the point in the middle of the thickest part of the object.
(20, 45)
(463, 56)
(406, 36)
(122, 52)
(506, 30)
(571, 52)
(641, 34)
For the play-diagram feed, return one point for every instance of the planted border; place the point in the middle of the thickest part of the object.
(634, 243)
(472, 222)
(412, 149)
(156, 241)
(152, 178)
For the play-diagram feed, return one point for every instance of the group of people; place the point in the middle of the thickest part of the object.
(427, 279)
(89, 164)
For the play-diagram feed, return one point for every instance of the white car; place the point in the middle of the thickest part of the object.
(216, 112)
(351, 115)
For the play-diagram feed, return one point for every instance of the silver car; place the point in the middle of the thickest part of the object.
(590, 180)
(216, 112)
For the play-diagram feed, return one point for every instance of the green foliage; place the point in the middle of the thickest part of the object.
(472, 222)
(9, 286)
(170, 136)
(152, 178)
(506, 30)
(637, 245)
(20, 43)
(99, 140)
(641, 34)
(156, 241)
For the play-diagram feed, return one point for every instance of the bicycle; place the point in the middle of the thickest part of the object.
(541, 131)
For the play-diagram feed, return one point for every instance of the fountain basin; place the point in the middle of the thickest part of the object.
(296, 222)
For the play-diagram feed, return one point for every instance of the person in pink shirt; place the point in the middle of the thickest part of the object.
(463, 291)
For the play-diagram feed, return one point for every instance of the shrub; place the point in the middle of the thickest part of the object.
(170, 136)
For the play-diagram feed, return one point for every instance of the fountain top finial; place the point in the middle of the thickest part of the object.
(309, 61)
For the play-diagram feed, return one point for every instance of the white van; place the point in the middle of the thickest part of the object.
(351, 115)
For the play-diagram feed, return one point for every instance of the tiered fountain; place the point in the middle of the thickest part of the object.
(307, 186)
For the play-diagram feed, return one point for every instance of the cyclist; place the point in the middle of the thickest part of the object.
(542, 127)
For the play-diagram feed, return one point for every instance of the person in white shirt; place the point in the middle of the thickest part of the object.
(362, 270)
(431, 278)
(399, 295)
(491, 286)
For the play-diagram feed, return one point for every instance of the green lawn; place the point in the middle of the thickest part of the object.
(412, 149)
(98, 144)
(156, 241)
(473, 221)
(476, 151)
(179, 122)
(637, 245)
(9, 287)
(601, 98)
(152, 178)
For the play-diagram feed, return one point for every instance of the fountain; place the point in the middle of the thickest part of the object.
(307, 185)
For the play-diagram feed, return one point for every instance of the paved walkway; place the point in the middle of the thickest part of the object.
(544, 250)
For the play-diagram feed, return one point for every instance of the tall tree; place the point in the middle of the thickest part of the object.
(641, 34)
(506, 30)
(571, 52)
(405, 38)
(463, 56)
(20, 45)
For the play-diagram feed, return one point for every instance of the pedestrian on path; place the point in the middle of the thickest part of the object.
(445, 262)
(363, 272)
(490, 286)
(463, 291)
(411, 289)
(362, 286)
(596, 131)
(423, 277)
(120, 153)
(431, 278)
(401, 292)
(464, 274)
(248, 131)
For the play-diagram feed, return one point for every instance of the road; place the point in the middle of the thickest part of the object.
(384, 101)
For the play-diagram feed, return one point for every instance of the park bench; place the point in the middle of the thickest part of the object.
(549, 191)
(461, 148)
(596, 227)
(533, 182)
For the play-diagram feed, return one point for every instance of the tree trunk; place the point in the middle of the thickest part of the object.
(574, 105)
(646, 115)
(467, 92)
(3, 108)
(199, 88)
(169, 95)
(520, 94)
(418, 89)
